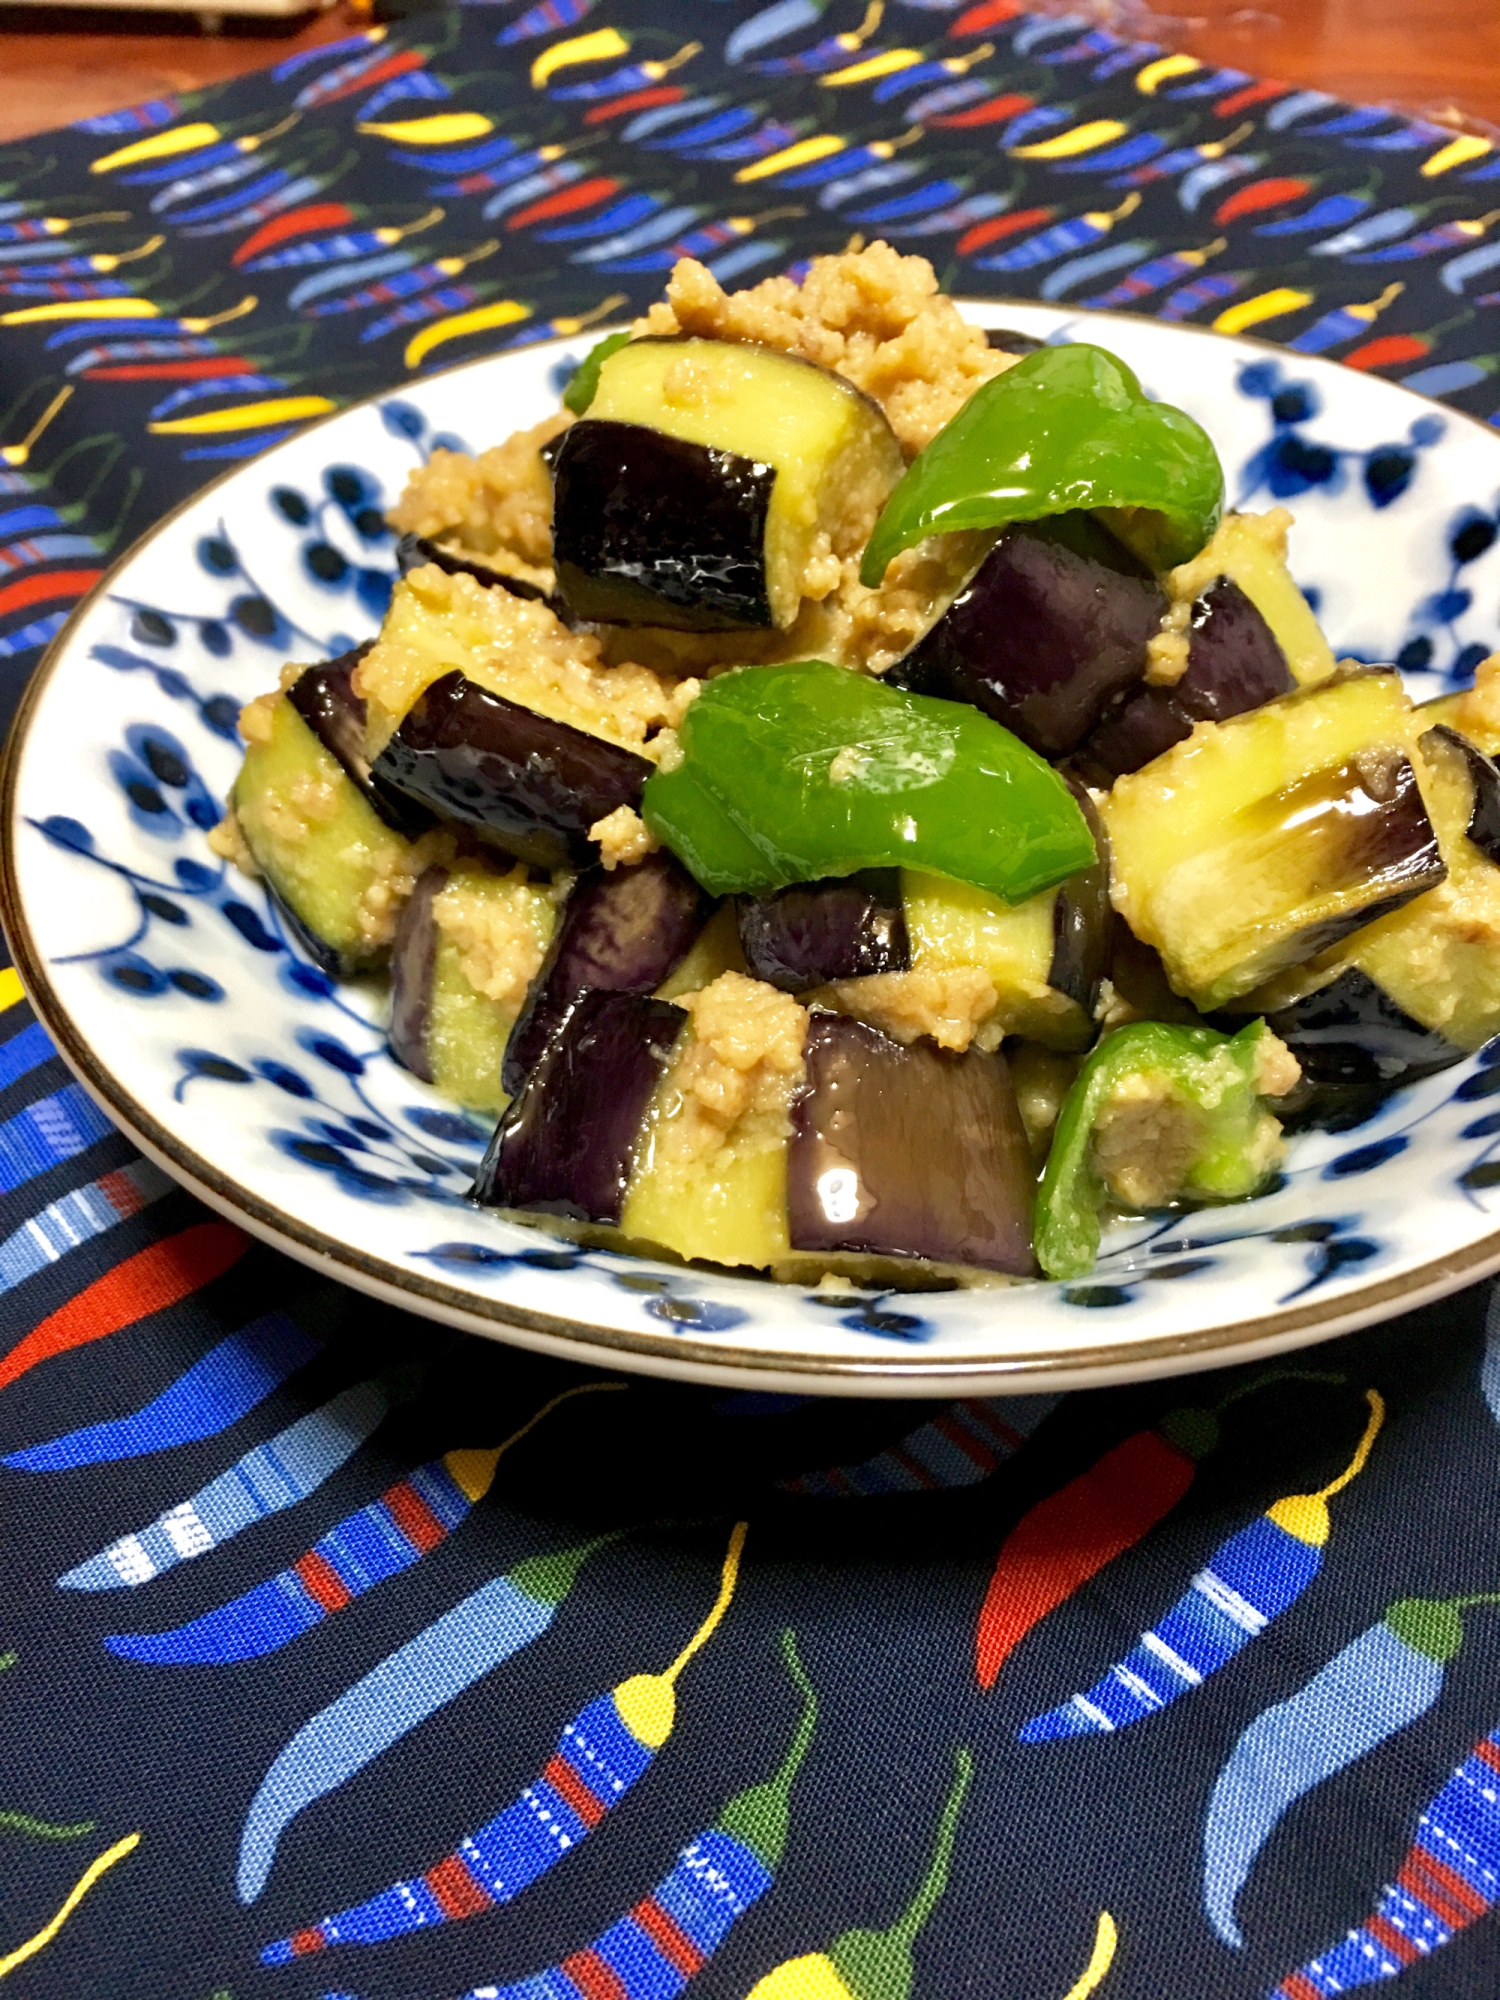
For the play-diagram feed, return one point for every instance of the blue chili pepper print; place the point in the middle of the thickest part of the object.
(1381, 1682)
(608, 1747)
(466, 1643)
(961, 1445)
(1448, 1880)
(653, 1951)
(267, 1479)
(1246, 1583)
(384, 1537)
(216, 1392)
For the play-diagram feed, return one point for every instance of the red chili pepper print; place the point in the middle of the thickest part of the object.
(1069, 1537)
(300, 222)
(1261, 195)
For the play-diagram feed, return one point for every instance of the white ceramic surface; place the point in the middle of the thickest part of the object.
(171, 989)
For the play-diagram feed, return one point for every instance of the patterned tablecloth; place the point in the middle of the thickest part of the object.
(328, 1632)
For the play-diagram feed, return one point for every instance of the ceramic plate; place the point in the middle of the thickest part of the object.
(173, 991)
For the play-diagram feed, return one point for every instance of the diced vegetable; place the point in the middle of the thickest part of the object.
(327, 856)
(843, 928)
(908, 1152)
(620, 932)
(325, 699)
(1420, 988)
(565, 1146)
(1067, 427)
(1053, 625)
(525, 782)
(697, 490)
(445, 1027)
(1261, 841)
(1159, 1114)
(790, 774)
(1355, 1046)
(1234, 665)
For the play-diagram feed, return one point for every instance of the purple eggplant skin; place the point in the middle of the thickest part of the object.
(1083, 921)
(651, 530)
(414, 550)
(845, 927)
(325, 699)
(1051, 628)
(525, 783)
(1355, 1046)
(564, 1146)
(908, 1152)
(623, 932)
(413, 960)
(1009, 341)
(1484, 775)
(1234, 664)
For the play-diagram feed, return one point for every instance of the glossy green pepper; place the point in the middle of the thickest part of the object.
(583, 383)
(792, 773)
(1067, 427)
(1199, 1096)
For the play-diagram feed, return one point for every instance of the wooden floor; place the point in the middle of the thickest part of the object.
(1441, 57)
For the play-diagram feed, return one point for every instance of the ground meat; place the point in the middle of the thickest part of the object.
(497, 505)
(496, 930)
(732, 1083)
(514, 646)
(872, 315)
(954, 1007)
(623, 837)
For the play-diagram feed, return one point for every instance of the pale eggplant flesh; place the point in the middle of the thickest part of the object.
(1050, 630)
(908, 1151)
(1234, 664)
(565, 1145)
(413, 960)
(1355, 1046)
(324, 697)
(846, 927)
(620, 932)
(653, 530)
(526, 783)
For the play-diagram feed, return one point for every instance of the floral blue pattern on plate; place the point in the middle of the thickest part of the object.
(176, 993)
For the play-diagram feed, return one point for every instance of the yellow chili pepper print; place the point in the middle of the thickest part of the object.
(602, 44)
(875, 1965)
(246, 416)
(504, 312)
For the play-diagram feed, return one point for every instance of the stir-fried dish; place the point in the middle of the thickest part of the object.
(846, 799)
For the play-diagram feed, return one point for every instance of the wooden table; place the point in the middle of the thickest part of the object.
(1435, 56)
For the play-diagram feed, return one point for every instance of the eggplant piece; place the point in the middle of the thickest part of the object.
(1355, 1046)
(845, 927)
(1052, 627)
(908, 1152)
(318, 841)
(621, 932)
(565, 1146)
(325, 699)
(1435, 964)
(413, 959)
(1234, 665)
(694, 493)
(1264, 840)
(526, 783)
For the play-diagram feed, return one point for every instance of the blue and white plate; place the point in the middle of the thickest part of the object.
(174, 992)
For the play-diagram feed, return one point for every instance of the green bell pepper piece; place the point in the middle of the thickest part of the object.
(583, 383)
(791, 773)
(1213, 1075)
(1067, 427)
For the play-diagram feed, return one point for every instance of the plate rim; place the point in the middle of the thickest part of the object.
(909, 1373)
